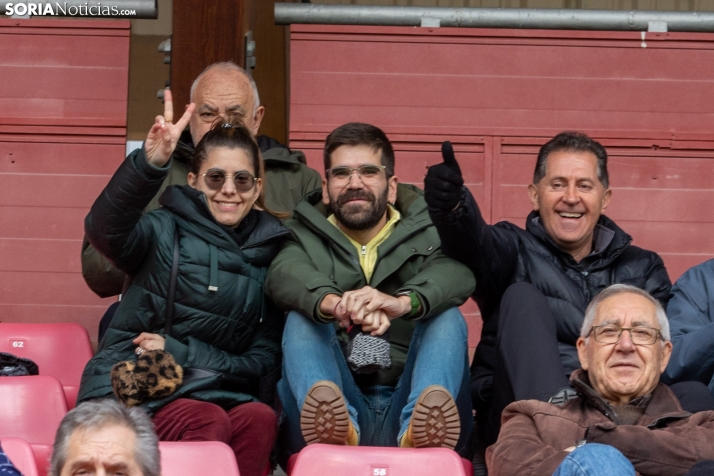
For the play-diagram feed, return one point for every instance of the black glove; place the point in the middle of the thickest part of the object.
(443, 182)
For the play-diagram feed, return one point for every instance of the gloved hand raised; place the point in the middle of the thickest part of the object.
(443, 182)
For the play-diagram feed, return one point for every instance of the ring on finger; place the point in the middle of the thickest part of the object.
(139, 350)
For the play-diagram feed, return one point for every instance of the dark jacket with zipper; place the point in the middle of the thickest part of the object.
(222, 319)
(320, 260)
(502, 254)
(287, 180)
(665, 440)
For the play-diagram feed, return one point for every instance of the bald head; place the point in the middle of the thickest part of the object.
(225, 90)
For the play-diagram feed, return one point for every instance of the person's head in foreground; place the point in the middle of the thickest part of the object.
(228, 169)
(104, 437)
(624, 344)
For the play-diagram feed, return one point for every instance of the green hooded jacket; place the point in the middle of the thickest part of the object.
(319, 260)
(233, 329)
(287, 180)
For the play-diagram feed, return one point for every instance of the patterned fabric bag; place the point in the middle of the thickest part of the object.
(366, 353)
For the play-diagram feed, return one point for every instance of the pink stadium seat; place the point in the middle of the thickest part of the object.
(60, 350)
(189, 458)
(377, 461)
(32, 409)
(20, 453)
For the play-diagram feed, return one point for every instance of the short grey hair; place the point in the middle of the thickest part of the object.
(230, 66)
(97, 414)
(614, 290)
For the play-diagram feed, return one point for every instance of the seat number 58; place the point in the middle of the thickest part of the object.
(380, 471)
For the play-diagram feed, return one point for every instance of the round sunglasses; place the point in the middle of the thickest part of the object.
(244, 181)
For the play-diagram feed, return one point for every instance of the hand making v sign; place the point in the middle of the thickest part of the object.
(164, 135)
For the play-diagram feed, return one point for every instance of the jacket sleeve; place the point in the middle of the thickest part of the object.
(658, 283)
(692, 326)
(295, 283)
(114, 225)
(441, 283)
(665, 451)
(520, 448)
(262, 355)
(490, 252)
(101, 276)
(311, 179)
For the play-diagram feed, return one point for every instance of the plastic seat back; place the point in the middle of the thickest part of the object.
(32, 409)
(377, 461)
(61, 350)
(189, 458)
(20, 453)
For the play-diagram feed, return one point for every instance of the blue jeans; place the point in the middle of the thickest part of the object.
(595, 459)
(380, 414)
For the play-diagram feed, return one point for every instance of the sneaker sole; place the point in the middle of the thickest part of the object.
(435, 420)
(324, 417)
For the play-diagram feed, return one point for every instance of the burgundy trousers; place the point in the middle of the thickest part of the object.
(249, 429)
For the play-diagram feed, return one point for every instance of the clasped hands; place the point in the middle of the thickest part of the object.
(367, 307)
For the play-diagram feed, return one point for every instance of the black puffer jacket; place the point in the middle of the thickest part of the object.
(503, 254)
(234, 329)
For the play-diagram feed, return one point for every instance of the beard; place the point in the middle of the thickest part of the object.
(359, 217)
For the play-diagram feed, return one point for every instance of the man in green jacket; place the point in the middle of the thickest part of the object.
(365, 259)
(222, 89)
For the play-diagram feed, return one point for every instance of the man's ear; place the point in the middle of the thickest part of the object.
(392, 195)
(533, 195)
(257, 119)
(666, 354)
(192, 179)
(582, 354)
(606, 199)
(325, 195)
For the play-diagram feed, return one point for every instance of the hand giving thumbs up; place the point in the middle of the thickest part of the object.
(443, 182)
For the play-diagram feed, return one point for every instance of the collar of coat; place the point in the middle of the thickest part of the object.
(599, 258)
(662, 408)
(410, 204)
(191, 213)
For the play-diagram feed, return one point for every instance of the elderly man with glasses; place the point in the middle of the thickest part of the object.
(622, 419)
(364, 268)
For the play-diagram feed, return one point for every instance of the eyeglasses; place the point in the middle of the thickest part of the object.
(215, 179)
(640, 335)
(369, 174)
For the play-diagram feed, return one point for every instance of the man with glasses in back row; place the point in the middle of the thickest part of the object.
(623, 420)
(365, 258)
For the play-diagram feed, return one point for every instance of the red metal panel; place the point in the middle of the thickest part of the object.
(62, 135)
(51, 75)
(501, 82)
(507, 92)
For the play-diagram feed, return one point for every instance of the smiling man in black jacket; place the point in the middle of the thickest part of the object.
(535, 284)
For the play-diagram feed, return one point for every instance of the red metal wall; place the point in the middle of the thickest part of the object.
(62, 134)
(500, 94)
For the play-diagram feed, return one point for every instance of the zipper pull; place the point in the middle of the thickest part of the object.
(364, 250)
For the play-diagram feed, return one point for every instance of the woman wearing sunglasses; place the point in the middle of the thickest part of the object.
(199, 263)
